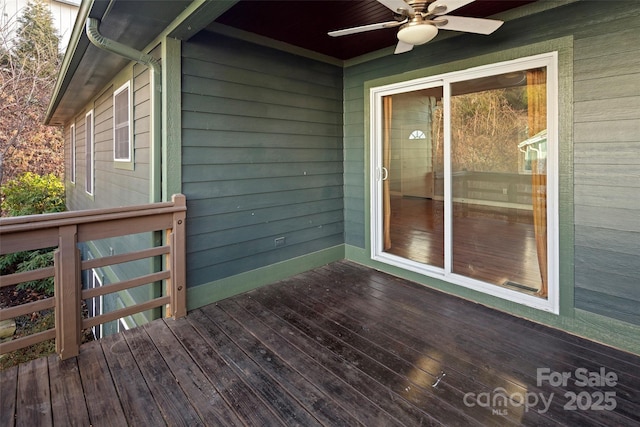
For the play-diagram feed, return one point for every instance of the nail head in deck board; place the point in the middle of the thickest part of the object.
(202, 395)
(33, 406)
(66, 391)
(239, 397)
(173, 404)
(137, 402)
(296, 385)
(263, 385)
(103, 403)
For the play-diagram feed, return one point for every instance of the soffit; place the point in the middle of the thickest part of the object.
(305, 23)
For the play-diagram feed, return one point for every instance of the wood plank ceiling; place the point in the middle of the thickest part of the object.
(305, 23)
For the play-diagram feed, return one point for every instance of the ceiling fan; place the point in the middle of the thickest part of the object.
(419, 21)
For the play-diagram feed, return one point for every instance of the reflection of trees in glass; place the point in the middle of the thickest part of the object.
(486, 128)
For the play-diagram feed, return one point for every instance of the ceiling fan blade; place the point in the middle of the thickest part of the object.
(362, 29)
(397, 6)
(402, 47)
(468, 25)
(450, 6)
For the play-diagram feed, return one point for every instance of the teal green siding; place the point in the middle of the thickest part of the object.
(607, 169)
(599, 155)
(261, 156)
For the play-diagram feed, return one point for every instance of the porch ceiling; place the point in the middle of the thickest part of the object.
(305, 23)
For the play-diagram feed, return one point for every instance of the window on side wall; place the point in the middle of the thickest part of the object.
(88, 150)
(122, 150)
(72, 166)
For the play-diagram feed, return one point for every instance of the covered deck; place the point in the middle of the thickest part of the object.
(338, 345)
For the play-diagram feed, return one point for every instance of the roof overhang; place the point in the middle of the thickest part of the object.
(87, 69)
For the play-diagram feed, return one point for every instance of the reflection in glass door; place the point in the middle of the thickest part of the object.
(498, 132)
(413, 207)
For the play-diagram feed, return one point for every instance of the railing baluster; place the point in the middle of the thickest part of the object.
(67, 293)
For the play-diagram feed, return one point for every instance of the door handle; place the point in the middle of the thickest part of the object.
(385, 173)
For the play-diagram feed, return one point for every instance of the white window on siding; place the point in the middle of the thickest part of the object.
(121, 124)
(88, 152)
(72, 166)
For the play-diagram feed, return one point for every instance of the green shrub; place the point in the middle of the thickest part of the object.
(32, 194)
(20, 262)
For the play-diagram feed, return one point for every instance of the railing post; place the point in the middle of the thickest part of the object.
(67, 293)
(177, 286)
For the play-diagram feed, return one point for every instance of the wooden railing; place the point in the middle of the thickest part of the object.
(66, 231)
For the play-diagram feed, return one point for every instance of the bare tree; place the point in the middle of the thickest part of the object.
(29, 61)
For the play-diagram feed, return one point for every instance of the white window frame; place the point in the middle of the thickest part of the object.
(129, 158)
(72, 167)
(548, 60)
(89, 146)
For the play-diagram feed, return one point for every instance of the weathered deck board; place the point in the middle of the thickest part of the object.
(338, 345)
(350, 399)
(239, 396)
(170, 399)
(129, 382)
(317, 407)
(66, 391)
(8, 387)
(100, 396)
(205, 399)
(33, 406)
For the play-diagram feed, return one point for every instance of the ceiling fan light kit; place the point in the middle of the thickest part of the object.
(422, 18)
(417, 34)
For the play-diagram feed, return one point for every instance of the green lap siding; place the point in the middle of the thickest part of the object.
(261, 156)
(607, 168)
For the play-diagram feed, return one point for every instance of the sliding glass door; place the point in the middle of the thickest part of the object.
(461, 184)
(413, 215)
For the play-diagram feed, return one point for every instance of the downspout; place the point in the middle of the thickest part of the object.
(128, 52)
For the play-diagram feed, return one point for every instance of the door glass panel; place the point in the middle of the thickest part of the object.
(498, 164)
(413, 207)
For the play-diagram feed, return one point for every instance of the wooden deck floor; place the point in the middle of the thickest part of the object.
(341, 345)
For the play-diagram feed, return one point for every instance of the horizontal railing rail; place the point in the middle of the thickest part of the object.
(65, 231)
